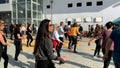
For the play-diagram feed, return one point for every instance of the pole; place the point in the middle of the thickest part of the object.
(51, 1)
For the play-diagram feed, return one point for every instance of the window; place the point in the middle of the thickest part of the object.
(34, 6)
(99, 3)
(98, 19)
(79, 4)
(7, 1)
(14, 10)
(20, 0)
(70, 5)
(34, 0)
(21, 10)
(78, 19)
(34, 14)
(28, 14)
(89, 4)
(4, 1)
(28, 5)
(88, 19)
(48, 6)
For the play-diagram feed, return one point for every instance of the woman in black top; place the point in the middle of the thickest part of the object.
(29, 35)
(43, 50)
(17, 41)
(3, 44)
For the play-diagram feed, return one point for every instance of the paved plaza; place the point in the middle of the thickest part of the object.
(82, 59)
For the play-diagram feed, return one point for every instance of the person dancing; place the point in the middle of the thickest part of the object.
(43, 50)
(3, 45)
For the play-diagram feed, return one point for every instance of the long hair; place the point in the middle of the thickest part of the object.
(42, 34)
(17, 28)
(75, 25)
(97, 30)
(28, 26)
(1, 22)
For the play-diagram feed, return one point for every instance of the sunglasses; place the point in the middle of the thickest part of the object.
(50, 24)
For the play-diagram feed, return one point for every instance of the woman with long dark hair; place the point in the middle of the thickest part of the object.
(97, 38)
(29, 35)
(43, 50)
(18, 40)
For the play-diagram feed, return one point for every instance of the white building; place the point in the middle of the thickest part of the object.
(83, 11)
(5, 10)
(21, 11)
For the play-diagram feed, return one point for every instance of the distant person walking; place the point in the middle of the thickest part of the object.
(61, 33)
(80, 30)
(18, 41)
(12, 26)
(56, 41)
(97, 38)
(74, 31)
(29, 35)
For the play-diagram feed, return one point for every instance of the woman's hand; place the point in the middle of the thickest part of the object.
(8, 44)
(105, 57)
(54, 50)
(24, 36)
(61, 59)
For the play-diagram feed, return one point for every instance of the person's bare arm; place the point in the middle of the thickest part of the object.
(107, 48)
(18, 35)
(2, 40)
(91, 40)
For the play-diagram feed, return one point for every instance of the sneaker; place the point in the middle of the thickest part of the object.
(94, 57)
(98, 56)
(61, 62)
(16, 59)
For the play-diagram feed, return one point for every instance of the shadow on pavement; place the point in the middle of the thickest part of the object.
(20, 64)
(77, 64)
(87, 55)
(28, 56)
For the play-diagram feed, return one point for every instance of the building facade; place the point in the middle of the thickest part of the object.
(27, 11)
(5, 11)
(84, 12)
(21, 11)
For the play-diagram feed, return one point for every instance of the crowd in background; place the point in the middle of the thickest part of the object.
(50, 38)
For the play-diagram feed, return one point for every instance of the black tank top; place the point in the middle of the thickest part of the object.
(2, 47)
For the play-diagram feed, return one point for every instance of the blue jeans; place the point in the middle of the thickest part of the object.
(117, 64)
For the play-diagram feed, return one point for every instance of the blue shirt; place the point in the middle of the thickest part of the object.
(115, 36)
(60, 31)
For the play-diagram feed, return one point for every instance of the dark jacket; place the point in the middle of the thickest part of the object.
(46, 51)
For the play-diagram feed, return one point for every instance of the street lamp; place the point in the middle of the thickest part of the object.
(51, 2)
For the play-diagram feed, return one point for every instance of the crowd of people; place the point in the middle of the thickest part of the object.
(50, 38)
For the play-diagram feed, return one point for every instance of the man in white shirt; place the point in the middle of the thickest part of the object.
(61, 36)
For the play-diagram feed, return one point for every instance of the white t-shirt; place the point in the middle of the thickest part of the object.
(60, 31)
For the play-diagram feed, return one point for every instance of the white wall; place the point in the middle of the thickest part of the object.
(5, 7)
(109, 11)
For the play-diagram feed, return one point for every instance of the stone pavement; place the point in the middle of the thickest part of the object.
(82, 59)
